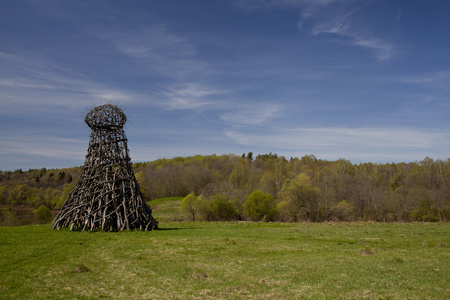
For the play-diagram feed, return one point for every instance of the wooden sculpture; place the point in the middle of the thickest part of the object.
(106, 195)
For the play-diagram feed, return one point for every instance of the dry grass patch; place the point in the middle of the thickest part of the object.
(367, 252)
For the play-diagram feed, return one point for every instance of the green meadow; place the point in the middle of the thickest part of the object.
(229, 260)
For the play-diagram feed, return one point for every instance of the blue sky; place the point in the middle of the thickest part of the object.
(360, 80)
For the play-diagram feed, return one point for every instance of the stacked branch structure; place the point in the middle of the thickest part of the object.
(107, 195)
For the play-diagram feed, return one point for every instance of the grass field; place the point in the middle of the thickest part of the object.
(167, 209)
(229, 261)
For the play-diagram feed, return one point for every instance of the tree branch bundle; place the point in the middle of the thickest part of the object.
(107, 194)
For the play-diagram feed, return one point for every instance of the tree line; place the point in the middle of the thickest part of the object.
(267, 187)
(30, 196)
(272, 188)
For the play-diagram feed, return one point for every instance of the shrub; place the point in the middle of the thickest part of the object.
(221, 209)
(191, 205)
(43, 215)
(344, 211)
(7, 217)
(426, 213)
(284, 212)
(260, 206)
(217, 209)
(429, 218)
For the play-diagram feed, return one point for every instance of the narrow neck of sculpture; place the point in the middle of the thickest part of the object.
(107, 147)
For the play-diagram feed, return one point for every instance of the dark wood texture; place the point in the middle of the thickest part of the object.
(107, 194)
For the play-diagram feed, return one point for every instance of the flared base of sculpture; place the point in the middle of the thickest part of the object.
(108, 203)
(78, 221)
(113, 211)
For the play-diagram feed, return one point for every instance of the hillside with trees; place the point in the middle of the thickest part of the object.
(34, 194)
(302, 189)
(267, 187)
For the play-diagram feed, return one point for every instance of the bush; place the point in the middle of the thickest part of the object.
(260, 207)
(217, 209)
(344, 211)
(429, 218)
(446, 214)
(222, 209)
(7, 217)
(191, 205)
(426, 213)
(284, 212)
(43, 215)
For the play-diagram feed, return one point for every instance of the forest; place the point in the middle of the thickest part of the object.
(266, 187)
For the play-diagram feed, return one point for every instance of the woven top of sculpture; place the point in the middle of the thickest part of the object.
(106, 195)
(106, 116)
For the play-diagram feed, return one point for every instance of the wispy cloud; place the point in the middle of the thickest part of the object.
(34, 82)
(155, 45)
(352, 143)
(151, 41)
(440, 79)
(140, 35)
(257, 114)
(344, 19)
(383, 49)
(188, 96)
(44, 146)
(336, 17)
(252, 5)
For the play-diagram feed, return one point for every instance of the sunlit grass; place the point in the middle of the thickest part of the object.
(229, 261)
(167, 209)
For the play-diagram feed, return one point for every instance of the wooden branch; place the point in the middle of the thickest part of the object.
(106, 195)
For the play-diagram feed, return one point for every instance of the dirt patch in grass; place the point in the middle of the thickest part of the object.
(367, 252)
(198, 274)
(81, 269)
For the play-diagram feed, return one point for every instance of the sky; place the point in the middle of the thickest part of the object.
(367, 81)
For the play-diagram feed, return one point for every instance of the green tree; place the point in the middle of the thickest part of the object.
(284, 211)
(250, 156)
(43, 215)
(65, 194)
(343, 211)
(427, 212)
(302, 196)
(61, 176)
(48, 197)
(260, 206)
(20, 194)
(268, 183)
(218, 208)
(3, 194)
(142, 185)
(191, 205)
(238, 176)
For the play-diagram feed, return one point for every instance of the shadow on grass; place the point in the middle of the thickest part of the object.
(175, 228)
